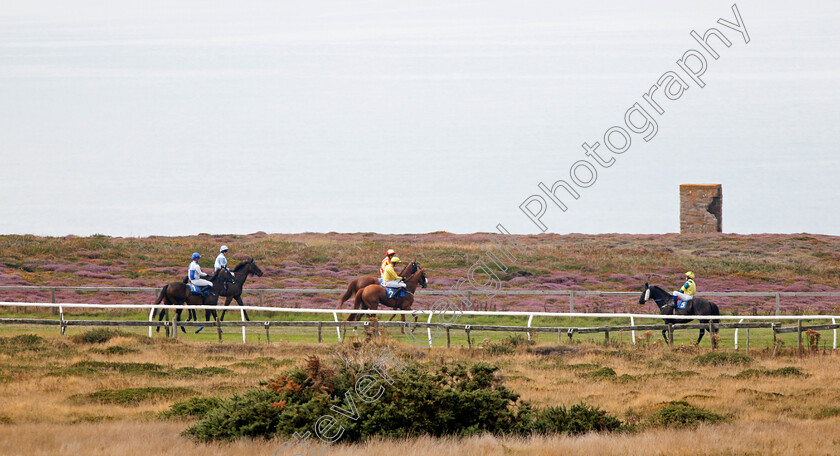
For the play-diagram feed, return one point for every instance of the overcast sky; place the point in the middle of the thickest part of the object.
(139, 118)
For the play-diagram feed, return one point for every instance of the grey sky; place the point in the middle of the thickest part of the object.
(138, 118)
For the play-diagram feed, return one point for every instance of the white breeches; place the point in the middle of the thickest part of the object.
(202, 283)
(394, 284)
(683, 296)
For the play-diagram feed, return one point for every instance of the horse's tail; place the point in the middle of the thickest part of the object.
(352, 288)
(359, 302)
(160, 298)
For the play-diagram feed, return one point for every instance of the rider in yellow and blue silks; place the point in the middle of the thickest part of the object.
(390, 278)
(687, 291)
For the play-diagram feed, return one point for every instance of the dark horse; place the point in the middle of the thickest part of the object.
(361, 282)
(371, 296)
(177, 293)
(665, 302)
(233, 290)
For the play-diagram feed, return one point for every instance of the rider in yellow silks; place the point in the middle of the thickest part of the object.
(390, 278)
(687, 291)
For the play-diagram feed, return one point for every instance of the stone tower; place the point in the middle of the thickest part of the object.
(701, 208)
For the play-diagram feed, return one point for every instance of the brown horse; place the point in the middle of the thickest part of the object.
(178, 294)
(361, 282)
(371, 296)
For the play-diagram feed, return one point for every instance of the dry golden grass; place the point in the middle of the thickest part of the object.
(766, 414)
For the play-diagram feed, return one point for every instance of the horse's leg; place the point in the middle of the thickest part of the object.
(702, 332)
(665, 335)
(238, 299)
(178, 318)
(161, 315)
(227, 302)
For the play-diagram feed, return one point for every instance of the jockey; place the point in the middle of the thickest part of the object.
(195, 275)
(390, 278)
(686, 292)
(221, 260)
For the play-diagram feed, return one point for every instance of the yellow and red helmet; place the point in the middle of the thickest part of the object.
(390, 252)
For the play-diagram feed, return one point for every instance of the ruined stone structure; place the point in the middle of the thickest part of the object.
(701, 208)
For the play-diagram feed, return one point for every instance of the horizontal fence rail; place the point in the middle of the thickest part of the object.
(767, 322)
(261, 292)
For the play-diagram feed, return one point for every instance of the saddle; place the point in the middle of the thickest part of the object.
(200, 291)
(393, 292)
(680, 304)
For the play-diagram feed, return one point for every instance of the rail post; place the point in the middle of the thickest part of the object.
(174, 325)
(242, 317)
(447, 336)
(319, 332)
(261, 298)
(799, 335)
(530, 319)
(469, 342)
(219, 328)
(778, 304)
(337, 327)
(670, 334)
(63, 323)
(52, 299)
(267, 337)
(748, 342)
(633, 332)
(572, 301)
(151, 319)
(834, 322)
(606, 335)
(736, 334)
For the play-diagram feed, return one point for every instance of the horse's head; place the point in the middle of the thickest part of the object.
(248, 267)
(254, 268)
(645, 297)
(423, 281)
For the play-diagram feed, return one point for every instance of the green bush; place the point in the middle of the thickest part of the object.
(101, 335)
(86, 368)
(208, 371)
(456, 399)
(788, 371)
(194, 407)
(682, 414)
(722, 358)
(507, 345)
(578, 419)
(22, 342)
(131, 396)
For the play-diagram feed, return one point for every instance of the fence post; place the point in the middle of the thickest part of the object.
(337, 327)
(748, 342)
(447, 336)
(319, 332)
(633, 332)
(175, 325)
(219, 328)
(778, 304)
(606, 335)
(799, 334)
(712, 334)
(670, 334)
(572, 301)
(242, 318)
(469, 342)
(267, 324)
(52, 296)
(261, 298)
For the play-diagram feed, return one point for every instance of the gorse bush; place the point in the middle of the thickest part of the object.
(454, 399)
(101, 335)
(682, 414)
(722, 358)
